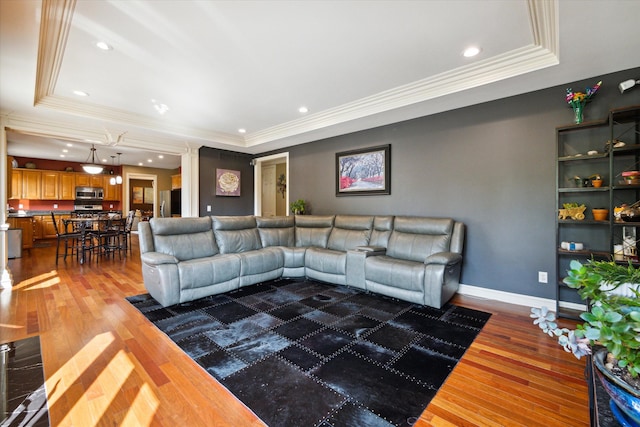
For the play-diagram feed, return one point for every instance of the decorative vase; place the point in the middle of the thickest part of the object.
(578, 112)
(625, 400)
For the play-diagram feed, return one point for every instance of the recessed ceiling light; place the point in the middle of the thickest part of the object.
(140, 164)
(160, 156)
(471, 51)
(150, 160)
(103, 45)
(80, 93)
(64, 150)
(69, 144)
(242, 130)
(303, 110)
(61, 155)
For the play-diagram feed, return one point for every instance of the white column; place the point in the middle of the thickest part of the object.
(6, 281)
(190, 169)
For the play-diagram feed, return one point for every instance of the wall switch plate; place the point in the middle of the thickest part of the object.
(543, 277)
(208, 208)
(110, 206)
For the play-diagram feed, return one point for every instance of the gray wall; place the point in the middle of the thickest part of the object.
(212, 159)
(491, 166)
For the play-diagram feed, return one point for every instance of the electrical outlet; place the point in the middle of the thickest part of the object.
(543, 277)
(208, 208)
(55, 206)
(110, 206)
(20, 206)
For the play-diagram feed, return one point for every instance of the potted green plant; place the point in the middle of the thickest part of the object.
(298, 207)
(612, 320)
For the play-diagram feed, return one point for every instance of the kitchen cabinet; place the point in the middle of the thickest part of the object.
(112, 192)
(50, 186)
(44, 228)
(15, 191)
(67, 188)
(31, 184)
(87, 180)
(27, 226)
(176, 182)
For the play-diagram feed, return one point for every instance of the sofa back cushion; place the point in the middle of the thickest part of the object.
(184, 238)
(276, 231)
(415, 238)
(313, 230)
(349, 232)
(236, 234)
(382, 227)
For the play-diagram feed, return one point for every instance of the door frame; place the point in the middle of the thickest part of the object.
(127, 189)
(257, 180)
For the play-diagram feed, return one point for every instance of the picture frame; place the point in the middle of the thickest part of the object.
(148, 195)
(137, 195)
(364, 172)
(227, 182)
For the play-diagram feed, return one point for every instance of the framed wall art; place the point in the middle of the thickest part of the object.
(137, 195)
(227, 182)
(364, 172)
(148, 195)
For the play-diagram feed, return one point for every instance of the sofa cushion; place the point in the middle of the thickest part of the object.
(326, 261)
(415, 238)
(399, 273)
(276, 231)
(184, 238)
(313, 230)
(235, 234)
(208, 271)
(349, 232)
(382, 227)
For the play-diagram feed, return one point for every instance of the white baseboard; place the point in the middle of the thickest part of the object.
(511, 298)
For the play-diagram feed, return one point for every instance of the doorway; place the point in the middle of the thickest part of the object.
(271, 181)
(151, 195)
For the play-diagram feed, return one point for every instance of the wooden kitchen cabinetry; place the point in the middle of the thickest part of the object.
(86, 180)
(50, 186)
(15, 192)
(27, 226)
(176, 182)
(67, 186)
(112, 192)
(31, 184)
(43, 225)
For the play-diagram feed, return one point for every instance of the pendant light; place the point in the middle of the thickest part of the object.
(92, 168)
(112, 180)
(119, 176)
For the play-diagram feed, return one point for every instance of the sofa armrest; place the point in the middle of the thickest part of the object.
(443, 258)
(372, 250)
(157, 258)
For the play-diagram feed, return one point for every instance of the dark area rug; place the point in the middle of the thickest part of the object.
(304, 353)
(22, 374)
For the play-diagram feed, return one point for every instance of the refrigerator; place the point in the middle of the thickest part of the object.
(170, 203)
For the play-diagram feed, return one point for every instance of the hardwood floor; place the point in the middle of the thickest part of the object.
(106, 365)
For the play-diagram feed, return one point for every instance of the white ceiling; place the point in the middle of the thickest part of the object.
(225, 65)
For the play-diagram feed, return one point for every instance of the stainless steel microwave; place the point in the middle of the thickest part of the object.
(89, 193)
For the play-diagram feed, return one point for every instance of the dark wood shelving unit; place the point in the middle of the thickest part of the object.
(573, 143)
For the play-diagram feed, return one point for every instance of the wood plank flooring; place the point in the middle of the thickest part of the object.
(106, 365)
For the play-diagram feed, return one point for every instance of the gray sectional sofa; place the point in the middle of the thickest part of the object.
(416, 259)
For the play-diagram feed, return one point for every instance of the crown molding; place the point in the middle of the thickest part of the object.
(543, 52)
(83, 134)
